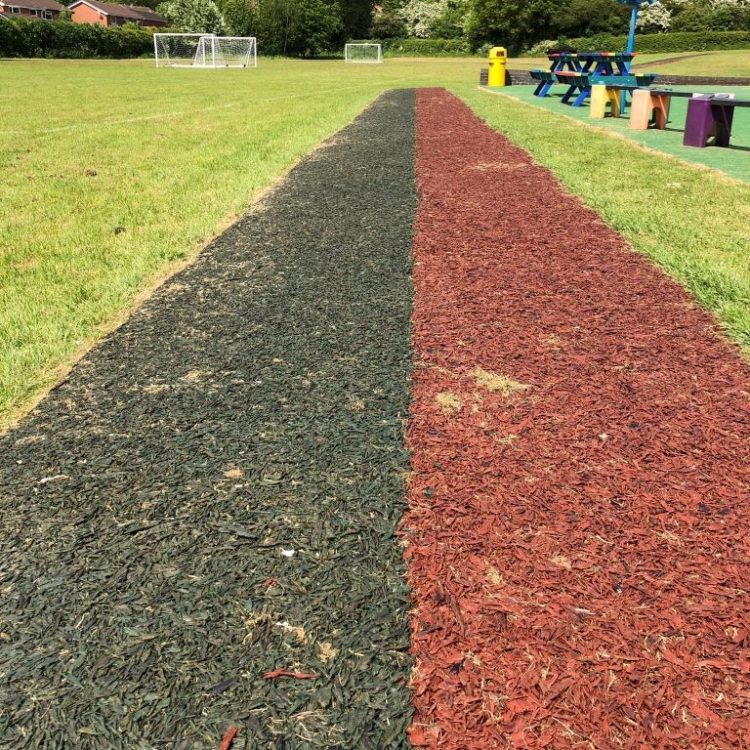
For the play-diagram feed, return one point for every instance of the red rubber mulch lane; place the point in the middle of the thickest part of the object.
(579, 524)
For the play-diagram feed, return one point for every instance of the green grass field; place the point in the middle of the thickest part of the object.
(115, 173)
(730, 63)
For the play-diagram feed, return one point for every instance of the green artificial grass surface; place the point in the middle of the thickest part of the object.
(734, 161)
(115, 173)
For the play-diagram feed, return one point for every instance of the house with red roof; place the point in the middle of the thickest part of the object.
(113, 14)
(40, 10)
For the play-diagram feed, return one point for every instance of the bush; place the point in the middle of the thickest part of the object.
(303, 28)
(540, 49)
(387, 25)
(722, 17)
(450, 25)
(22, 38)
(413, 47)
(682, 41)
(193, 16)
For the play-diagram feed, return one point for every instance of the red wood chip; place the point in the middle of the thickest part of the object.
(228, 738)
(579, 521)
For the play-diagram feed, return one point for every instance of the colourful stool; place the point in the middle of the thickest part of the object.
(705, 120)
(601, 96)
(648, 108)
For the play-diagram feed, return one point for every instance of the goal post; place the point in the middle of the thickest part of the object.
(235, 52)
(178, 50)
(205, 51)
(363, 53)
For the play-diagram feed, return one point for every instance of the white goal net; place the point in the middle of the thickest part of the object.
(205, 51)
(363, 53)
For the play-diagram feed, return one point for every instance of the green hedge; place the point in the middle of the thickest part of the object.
(413, 47)
(678, 41)
(22, 38)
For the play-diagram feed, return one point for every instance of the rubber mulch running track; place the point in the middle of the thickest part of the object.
(213, 494)
(197, 528)
(579, 506)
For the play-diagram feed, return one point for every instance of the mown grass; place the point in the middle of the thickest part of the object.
(112, 174)
(730, 63)
(692, 222)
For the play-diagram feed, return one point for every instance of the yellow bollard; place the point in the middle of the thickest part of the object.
(498, 61)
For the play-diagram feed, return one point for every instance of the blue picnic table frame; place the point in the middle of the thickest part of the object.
(579, 67)
(559, 62)
(596, 64)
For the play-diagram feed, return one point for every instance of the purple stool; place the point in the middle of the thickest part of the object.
(706, 119)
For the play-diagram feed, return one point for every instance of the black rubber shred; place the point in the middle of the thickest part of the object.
(214, 489)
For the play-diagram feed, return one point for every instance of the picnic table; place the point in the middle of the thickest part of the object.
(579, 84)
(573, 69)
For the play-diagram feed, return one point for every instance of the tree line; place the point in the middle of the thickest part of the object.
(313, 27)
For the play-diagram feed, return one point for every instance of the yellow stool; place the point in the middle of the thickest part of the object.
(647, 106)
(601, 96)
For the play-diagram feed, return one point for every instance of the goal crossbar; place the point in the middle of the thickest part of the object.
(363, 53)
(205, 51)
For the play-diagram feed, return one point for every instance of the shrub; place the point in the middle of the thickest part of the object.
(22, 38)
(413, 47)
(450, 24)
(719, 17)
(193, 16)
(387, 25)
(418, 15)
(287, 27)
(682, 41)
(431, 47)
(540, 49)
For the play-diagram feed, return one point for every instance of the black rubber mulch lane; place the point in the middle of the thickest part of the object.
(212, 495)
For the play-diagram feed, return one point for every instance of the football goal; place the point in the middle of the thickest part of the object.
(205, 51)
(363, 53)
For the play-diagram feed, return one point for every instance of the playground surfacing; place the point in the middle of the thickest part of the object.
(733, 161)
(207, 523)
(578, 508)
(211, 496)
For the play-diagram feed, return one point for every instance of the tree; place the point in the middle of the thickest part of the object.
(711, 15)
(286, 27)
(450, 23)
(193, 16)
(656, 17)
(297, 27)
(587, 17)
(356, 18)
(387, 25)
(153, 4)
(240, 16)
(419, 15)
(515, 24)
